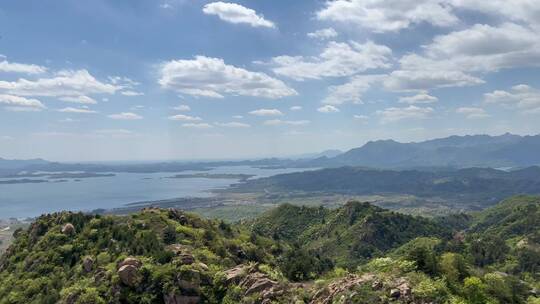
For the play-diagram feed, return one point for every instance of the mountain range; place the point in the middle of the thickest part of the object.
(507, 150)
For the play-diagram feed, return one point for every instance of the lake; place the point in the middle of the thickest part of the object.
(29, 200)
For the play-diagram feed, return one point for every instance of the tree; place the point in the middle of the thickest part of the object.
(453, 267)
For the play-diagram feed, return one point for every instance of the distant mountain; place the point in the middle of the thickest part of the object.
(327, 153)
(19, 164)
(478, 187)
(506, 150)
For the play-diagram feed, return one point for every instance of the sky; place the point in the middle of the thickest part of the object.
(187, 79)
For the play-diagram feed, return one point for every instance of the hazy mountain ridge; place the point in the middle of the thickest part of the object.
(475, 186)
(506, 150)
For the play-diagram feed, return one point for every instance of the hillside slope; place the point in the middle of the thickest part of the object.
(348, 235)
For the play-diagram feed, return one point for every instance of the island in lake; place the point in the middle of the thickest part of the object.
(239, 176)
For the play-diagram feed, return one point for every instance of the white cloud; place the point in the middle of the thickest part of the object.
(295, 108)
(211, 77)
(526, 11)
(197, 125)
(6, 137)
(521, 96)
(125, 116)
(420, 98)
(131, 93)
(21, 103)
(397, 114)
(236, 13)
(455, 59)
(472, 112)
(384, 16)
(64, 83)
(238, 117)
(232, 124)
(322, 34)
(328, 109)
(115, 132)
(423, 79)
(77, 110)
(351, 91)
(182, 108)
(79, 99)
(13, 67)
(279, 122)
(266, 112)
(181, 117)
(361, 118)
(337, 59)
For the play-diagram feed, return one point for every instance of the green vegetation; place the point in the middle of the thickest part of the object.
(357, 253)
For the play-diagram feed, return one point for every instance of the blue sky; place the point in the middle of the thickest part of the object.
(179, 79)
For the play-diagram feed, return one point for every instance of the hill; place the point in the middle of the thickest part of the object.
(506, 150)
(288, 255)
(347, 235)
(474, 187)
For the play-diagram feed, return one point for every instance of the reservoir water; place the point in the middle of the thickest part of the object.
(28, 200)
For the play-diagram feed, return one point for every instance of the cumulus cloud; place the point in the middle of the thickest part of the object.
(232, 124)
(81, 110)
(394, 114)
(236, 13)
(266, 112)
(182, 108)
(455, 59)
(520, 96)
(131, 93)
(279, 122)
(197, 125)
(420, 98)
(423, 79)
(79, 99)
(526, 11)
(384, 16)
(64, 83)
(336, 60)
(472, 112)
(295, 108)
(328, 109)
(322, 34)
(361, 118)
(14, 67)
(125, 116)
(352, 90)
(211, 77)
(181, 117)
(21, 103)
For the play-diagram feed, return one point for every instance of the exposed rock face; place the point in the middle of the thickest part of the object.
(128, 271)
(178, 215)
(333, 291)
(130, 261)
(253, 281)
(129, 275)
(179, 299)
(88, 264)
(68, 229)
(186, 258)
(234, 275)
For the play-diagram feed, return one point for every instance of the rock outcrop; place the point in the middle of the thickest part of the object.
(68, 229)
(128, 271)
(88, 264)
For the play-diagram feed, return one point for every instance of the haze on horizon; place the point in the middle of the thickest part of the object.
(177, 79)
